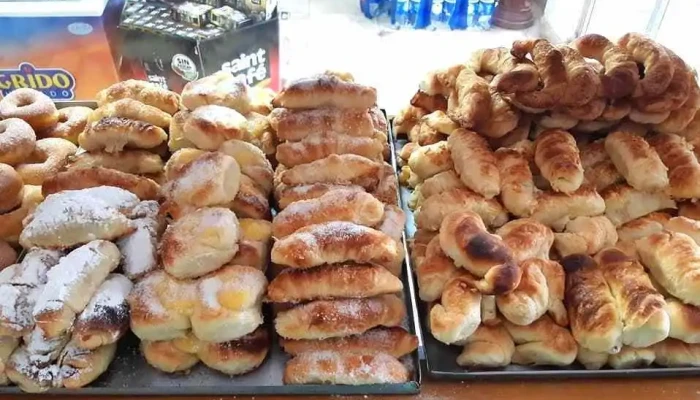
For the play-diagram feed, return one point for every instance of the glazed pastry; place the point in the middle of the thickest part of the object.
(474, 162)
(325, 90)
(683, 166)
(436, 208)
(526, 238)
(518, 192)
(557, 158)
(624, 203)
(637, 161)
(459, 313)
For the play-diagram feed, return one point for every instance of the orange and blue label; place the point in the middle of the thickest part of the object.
(57, 83)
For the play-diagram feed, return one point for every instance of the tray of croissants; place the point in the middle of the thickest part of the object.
(140, 255)
(553, 219)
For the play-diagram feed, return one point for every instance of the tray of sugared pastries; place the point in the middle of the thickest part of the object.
(555, 224)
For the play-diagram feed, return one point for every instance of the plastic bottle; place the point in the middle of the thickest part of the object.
(449, 7)
(370, 8)
(486, 9)
(399, 13)
(472, 14)
(436, 20)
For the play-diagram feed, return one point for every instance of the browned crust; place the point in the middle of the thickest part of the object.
(83, 178)
(394, 341)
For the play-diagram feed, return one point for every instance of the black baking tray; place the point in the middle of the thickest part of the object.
(129, 374)
(440, 360)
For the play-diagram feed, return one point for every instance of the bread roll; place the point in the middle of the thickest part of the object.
(113, 134)
(254, 245)
(631, 357)
(585, 235)
(43, 349)
(336, 242)
(436, 208)
(29, 375)
(139, 249)
(556, 209)
(684, 319)
(556, 287)
(542, 343)
(340, 317)
(165, 356)
(624, 203)
(105, 319)
(199, 242)
(518, 192)
(336, 368)
(395, 341)
(689, 209)
(71, 284)
(387, 189)
(83, 178)
(80, 367)
(674, 261)
(325, 90)
(320, 146)
(592, 359)
(333, 281)
(643, 226)
(684, 225)
(344, 169)
(253, 162)
(236, 357)
(251, 201)
(487, 347)
(210, 179)
(557, 158)
(393, 223)
(286, 195)
(637, 161)
(295, 125)
(464, 238)
(220, 88)
(459, 313)
(474, 162)
(526, 238)
(351, 206)
(208, 126)
(683, 166)
(529, 301)
(430, 160)
(596, 321)
(439, 183)
(641, 306)
(434, 271)
(674, 354)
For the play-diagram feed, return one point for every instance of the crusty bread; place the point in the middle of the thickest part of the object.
(595, 319)
(518, 191)
(336, 242)
(436, 208)
(322, 319)
(325, 90)
(674, 261)
(585, 235)
(636, 161)
(459, 313)
(530, 299)
(487, 347)
(199, 242)
(542, 343)
(210, 179)
(82, 178)
(464, 238)
(344, 169)
(430, 160)
(295, 125)
(474, 162)
(526, 238)
(395, 341)
(333, 281)
(339, 205)
(71, 284)
(434, 271)
(685, 321)
(674, 353)
(79, 367)
(556, 209)
(623, 203)
(338, 368)
(557, 158)
(683, 166)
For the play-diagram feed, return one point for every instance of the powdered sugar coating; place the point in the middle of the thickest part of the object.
(233, 279)
(349, 369)
(16, 305)
(139, 249)
(41, 349)
(109, 301)
(45, 376)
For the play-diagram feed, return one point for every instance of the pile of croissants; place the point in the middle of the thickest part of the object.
(555, 190)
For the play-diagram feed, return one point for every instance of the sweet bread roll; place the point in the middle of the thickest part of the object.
(210, 179)
(286, 195)
(395, 341)
(295, 125)
(253, 162)
(526, 238)
(71, 284)
(161, 306)
(387, 190)
(220, 88)
(199, 242)
(686, 226)
(602, 175)
(637, 161)
(407, 118)
(674, 261)
(207, 127)
(556, 282)
(76, 179)
(333, 281)
(251, 201)
(29, 375)
(474, 162)
(345, 169)
(393, 222)
(439, 183)
(439, 121)
(79, 367)
(434, 271)
(641, 306)
(436, 208)
(585, 235)
(176, 132)
(430, 160)
(336, 242)
(356, 207)
(556, 209)
(105, 319)
(674, 353)
(336, 368)
(228, 303)
(643, 226)
(683, 321)
(458, 314)
(487, 347)
(322, 319)
(139, 249)
(621, 72)
(557, 158)
(518, 192)
(113, 134)
(658, 67)
(542, 343)
(550, 64)
(469, 103)
(464, 238)
(683, 166)
(418, 245)
(254, 245)
(430, 103)
(596, 320)
(325, 90)
(236, 357)
(530, 299)
(129, 109)
(75, 217)
(128, 161)
(143, 91)
(624, 203)
(627, 358)
(165, 356)
(44, 349)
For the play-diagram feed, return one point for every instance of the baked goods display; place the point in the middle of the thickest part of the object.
(337, 254)
(554, 197)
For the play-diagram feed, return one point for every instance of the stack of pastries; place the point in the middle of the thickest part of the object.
(337, 255)
(555, 204)
(64, 307)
